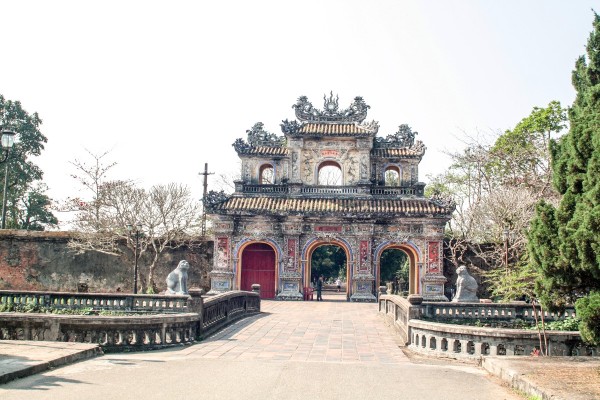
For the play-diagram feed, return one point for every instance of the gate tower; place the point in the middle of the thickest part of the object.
(329, 179)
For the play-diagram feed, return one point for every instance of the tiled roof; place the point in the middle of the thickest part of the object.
(334, 129)
(398, 152)
(265, 151)
(281, 205)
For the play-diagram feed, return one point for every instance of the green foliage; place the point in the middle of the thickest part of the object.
(588, 311)
(513, 283)
(393, 263)
(568, 324)
(521, 156)
(22, 172)
(565, 242)
(329, 261)
(38, 309)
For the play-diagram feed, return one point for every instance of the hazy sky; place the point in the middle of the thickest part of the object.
(167, 86)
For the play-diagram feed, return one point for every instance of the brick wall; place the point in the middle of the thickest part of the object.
(42, 261)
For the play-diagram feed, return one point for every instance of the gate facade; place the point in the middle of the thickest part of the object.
(329, 179)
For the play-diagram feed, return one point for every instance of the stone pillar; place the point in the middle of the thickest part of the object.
(478, 346)
(290, 276)
(463, 347)
(221, 277)
(510, 349)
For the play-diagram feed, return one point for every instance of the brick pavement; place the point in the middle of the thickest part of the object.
(328, 331)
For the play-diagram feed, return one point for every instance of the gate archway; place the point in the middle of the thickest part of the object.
(315, 243)
(413, 258)
(258, 264)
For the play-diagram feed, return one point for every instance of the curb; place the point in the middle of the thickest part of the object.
(515, 379)
(46, 365)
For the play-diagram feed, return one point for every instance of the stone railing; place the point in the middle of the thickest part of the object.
(112, 333)
(148, 329)
(457, 341)
(265, 188)
(223, 309)
(97, 301)
(337, 190)
(489, 311)
(397, 191)
(399, 312)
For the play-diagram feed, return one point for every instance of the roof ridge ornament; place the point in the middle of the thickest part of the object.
(445, 202)
(258, 137)
(305, 112)
(404, 137)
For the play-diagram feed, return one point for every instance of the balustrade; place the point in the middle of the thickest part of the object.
(456, 341)
(97, 301)
(160, 321)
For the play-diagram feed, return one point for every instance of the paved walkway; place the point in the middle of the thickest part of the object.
(21, 358)
(293, 350)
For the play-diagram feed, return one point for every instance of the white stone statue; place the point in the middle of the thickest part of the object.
(177, 279)
(466, 287)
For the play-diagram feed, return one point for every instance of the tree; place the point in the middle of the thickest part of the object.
(33, 210)
(565, 241)
(22, 172)
(496, 187)
(329, 261)
(167, 214)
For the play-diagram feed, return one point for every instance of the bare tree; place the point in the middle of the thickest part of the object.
(167, 215)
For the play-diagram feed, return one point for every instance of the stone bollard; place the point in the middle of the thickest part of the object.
(415, 299)
(256, 288)
(382, 290)
(196, 303)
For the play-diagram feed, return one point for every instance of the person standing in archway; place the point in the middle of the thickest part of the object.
(319, 288)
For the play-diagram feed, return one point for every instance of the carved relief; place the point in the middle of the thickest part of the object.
(363, 167)
(433, 258)
(223, 252)
(363, 259)
(295, 173)
(291, 260)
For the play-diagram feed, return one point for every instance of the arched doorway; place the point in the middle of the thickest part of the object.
(394, 267)
(404, 256)
(330, 258)
(258, 266)
(329, 261)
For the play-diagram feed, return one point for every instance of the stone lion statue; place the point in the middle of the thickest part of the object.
(466, 286)
(177, 279)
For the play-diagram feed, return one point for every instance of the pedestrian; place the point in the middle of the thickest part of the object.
(338, 283)
(319, 288)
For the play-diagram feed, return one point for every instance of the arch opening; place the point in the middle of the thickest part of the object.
(392, 176)
(394, 267)
(266, 175)
(331, 259)
(329, 174)
(411, 286)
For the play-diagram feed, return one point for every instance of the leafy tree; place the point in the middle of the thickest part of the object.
(393, 264)
(496, 187)
(329, 261)
(565, 241)
(22, 172)
(33, 210)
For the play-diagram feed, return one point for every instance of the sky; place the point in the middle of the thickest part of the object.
(166, 86)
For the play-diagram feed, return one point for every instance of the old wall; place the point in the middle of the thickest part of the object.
(42, 261)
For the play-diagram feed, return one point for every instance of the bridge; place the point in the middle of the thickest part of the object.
(292, 350)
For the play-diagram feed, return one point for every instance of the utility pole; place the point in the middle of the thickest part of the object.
(206, 174)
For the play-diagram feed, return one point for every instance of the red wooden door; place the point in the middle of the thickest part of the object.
(258, 266)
